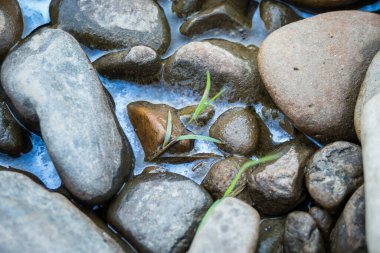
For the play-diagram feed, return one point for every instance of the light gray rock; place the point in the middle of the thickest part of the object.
(53, 87)
(232, 226)
(113, 24)
(35, 220)
(370, 87)
(159, 212)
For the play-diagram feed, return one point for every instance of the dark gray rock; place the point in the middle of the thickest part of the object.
(324, 221)
(113, 24)
(184, 8)
(159, 212)
(35, 220)
(271, 238)
(334, 173)
(54, 88)
(276, 14)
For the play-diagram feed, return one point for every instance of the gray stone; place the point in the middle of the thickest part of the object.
(232, 226)
(271, 238)
(35, 220)
(231, 65)
(313, 70)
(53, 87)
(184, 8)
(348, 234)
(113, 24)
(159, 212)
(323, 219)
(370, 87)
(334, 173)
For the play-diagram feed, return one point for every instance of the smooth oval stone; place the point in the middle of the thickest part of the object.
(232, 226)
(35, 220)
(322, 3)
(113, 24)
(313, 69)
(271, 237)
(370, 87)
(184, 8)
(159, 212)
(231, 65)
(53, 87)
(11, 25)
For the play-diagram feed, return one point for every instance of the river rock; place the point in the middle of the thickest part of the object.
(370, 87)
(54, 88)
(348, 234)
(323, 219)
(334, 173)
(319, 95)
(141, 64)
(184, 8)
(322, 3)
(277, 187)
(35, 220)
(203, 118)
(150, 123)
(271, 238)
(159, 212)
(275, 14)
(238, 129)
(302, 234)
(11, 25)
(231, 65)
(232, 226)
(113, 24)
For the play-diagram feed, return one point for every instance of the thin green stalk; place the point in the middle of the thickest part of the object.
(168, 129)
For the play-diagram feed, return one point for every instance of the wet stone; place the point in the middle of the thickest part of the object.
(113, 24)
(203, 118)
(184, 8)
(271, 238)
(232, 226)
(54, 89)
(334, 173)
(159, 212)
(238, 129)
(324, 221)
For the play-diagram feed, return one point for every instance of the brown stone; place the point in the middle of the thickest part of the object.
(323, 219)
(322, 3)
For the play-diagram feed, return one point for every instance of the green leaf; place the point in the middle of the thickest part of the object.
(168, 129)
(214, 98)
(201, 106)
(197, 137)
(247, 166)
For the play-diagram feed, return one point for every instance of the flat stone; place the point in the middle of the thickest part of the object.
(271, 237)
(35, 220)
(184, 8)
(313, 70)
(53, 88)
(232, 226)
(334, 173)
(159, 212)
(322, 3)
(113, 24)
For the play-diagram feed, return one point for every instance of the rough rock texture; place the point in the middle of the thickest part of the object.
(302, 234)
(232, 226)
(113, 24)
(369, 88)
(334, 173)
(231, 65)
(322, 3)
(277, 187)
(271, 237)
(276, 14)
(150, 123)
(203, 118)
(35, 220)
(348, 234)
(141, 64)
(184, 8)
(238, 129)
(11, 25)
(53, 87)
(323, 219)
(313, 70)
(159, 212)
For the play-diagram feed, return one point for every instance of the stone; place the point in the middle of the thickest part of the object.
(203, 118)
(220, 15)
(35, 220)
(271, 239)
(277, 187)
(348, 234)
(231, 65)
(324, 221)
(334, 173)
(11, 25)
(369, 88)
(159, 212)
(232, 226)
(238, 129)
(275, 14)
(113, 24)
(150, 123)
(322, 3)
(313, 70)
(184, 8)
(302, 234)
(54, 89)
(141, 64)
